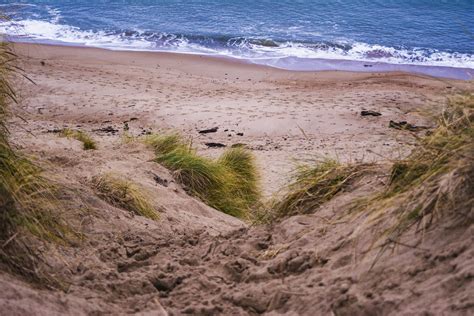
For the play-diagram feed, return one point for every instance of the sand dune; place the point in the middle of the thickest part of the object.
(196, 260)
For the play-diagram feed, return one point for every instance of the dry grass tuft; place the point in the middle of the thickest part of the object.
(229, 184)
(440, 155)
(435, 181)
(27, 200)
(164, 144)
(87, 142)
(451, 140)
(241, 163)
(127, 138)
(313, 186)
(123, 194)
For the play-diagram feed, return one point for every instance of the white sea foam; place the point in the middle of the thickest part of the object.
(55, 15)
(43, 30)
(252, 49)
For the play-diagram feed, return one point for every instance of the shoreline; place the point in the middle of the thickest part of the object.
(296, 64)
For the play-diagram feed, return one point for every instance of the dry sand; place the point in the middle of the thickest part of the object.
(285, 117)
(196, 260)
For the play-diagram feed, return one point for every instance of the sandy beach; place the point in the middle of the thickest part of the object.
(355, 242)
(285, 117)
(208, 158)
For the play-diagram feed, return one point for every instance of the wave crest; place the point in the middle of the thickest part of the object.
(237, 47)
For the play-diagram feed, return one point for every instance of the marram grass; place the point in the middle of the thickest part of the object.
(164, 144)
(27, 200)
(87, 142)
(435, 178)
(315, 185)
(123, 194)
(229, 184)
(446, 153)
(438, 152)
(434, 182)
(241, 163)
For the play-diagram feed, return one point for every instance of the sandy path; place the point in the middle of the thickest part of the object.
(285, 117)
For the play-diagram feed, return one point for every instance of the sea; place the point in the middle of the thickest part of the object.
(433, 37)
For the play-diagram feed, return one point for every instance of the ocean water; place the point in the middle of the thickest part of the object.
(293, 34)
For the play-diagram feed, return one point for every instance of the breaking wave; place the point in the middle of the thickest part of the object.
(53, 31)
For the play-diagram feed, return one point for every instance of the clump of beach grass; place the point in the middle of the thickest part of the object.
(164, 144)
(434, 181)
(241, 163)
(27, 199)
(229, 184)
(127, 138)
(435, 154)
(123, 194)
(87, 142)
(442, 154)
(422, 184)
(315, 185)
